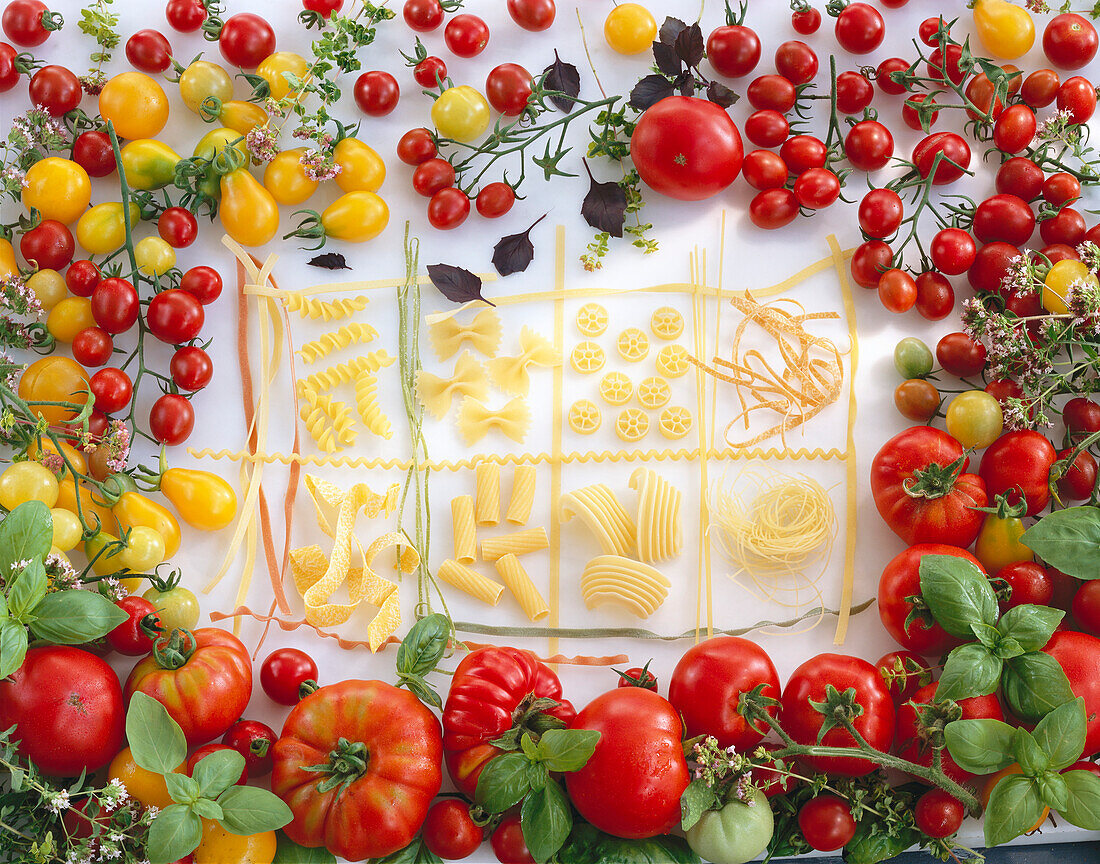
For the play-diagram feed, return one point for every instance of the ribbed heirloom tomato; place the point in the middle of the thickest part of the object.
(358, 763)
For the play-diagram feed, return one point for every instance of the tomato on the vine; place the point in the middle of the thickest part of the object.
(495, 199)
(921, 721)
(1077, 95)
(991, 265)
(887, 68)
(773, 208)
(430, 72)
(448, 208)
(191, 368)
(1078, 481)
(171, 419)
(423, 16)
(131, 636)
(764, 170)
(186, 16)
(733, 50)
(283, 673)
(174, 316)
(817, 188)
(938, 814)
(466, 35)
(112, 389)
(176, 606)
(826, 823)
(115, 305)
(1018, 463)
(416, 146)
(149, 51)
(854, 92)
(376, 93)
(253, 740)
(803, 152)
(869, 145)
(947, 152)
(897, 291)
(953, 251)
(771, 91)
(904, 673)
(1066, 228)
(915, 116)
(1004, 217)
(203, 283)
(860, 28)
(1028, 583)
(461, 113)
(806, 20)
(1020, 176)
(246, 39)
(508, 88)
(28, 23)
(56, 89)
(870, 261)
(533, 15)
(92, 347)
(178, 227)
(796, 61)
(935, 296)
(324, 8)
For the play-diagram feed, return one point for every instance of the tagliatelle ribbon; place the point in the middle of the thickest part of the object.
(318, 577)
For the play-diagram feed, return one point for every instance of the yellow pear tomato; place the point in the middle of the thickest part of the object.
(286, 179)
(58, 189)
(273, 66)
(1005, 29)
(148, 164)
(68, 317)
(67, 529)
(203, 500)
(242, 117)
(102, 229)
(134, 509)
(361, 168)
(146, 787)
(248, 212)
(355, 217)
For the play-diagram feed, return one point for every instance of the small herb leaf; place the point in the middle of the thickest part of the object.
(1034, 685)
(13, 646)
(1068, 540)
(25, 535)
(217, 771)
(1083, 806)
(604, 207)
(980, 746)
(970, 670)
(545, 820)
(183, 789)
(565, 750)
(1030, 625)
(958, 594)
(514, 253)
(1033, 761)
(1014, 806)
(424, 645)
(329, 261)
(503, 782)
(156, 740)
(689, 45)
(1061, 734)
(250, 810)
(697, 799)
(671, 30)
(208, 809)
(455, 283)
(1054, 790)
(174, 834)
(720, 94)
(667, 60)
(565, 78)
(26, 589)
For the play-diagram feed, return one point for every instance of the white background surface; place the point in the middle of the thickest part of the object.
(753, 259)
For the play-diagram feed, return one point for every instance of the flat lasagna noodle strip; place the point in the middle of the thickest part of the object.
(605, 517)
(513, 575)
(516, 543)
(639, 587)
(470, 581)
(660, 534)
(523, 495)
(463, 528)
(487, 493)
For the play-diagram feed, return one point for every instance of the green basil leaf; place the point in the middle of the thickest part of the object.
(529, 747)
(1068, 540)
(989, 636)
(1030, 625)
(1083, 806)
(13, 646)
(957, 593)
(873, 847)
(1034, 685)
(1061, 734)
(545, 820)
(424, 645)
(289, 852)
(503, 782)
(423, 691)
(250, 810)
(970, 670)
(980, 746)
(3, 605)
(25, 535)
(1054, 790)
(26, 590)
(567, 749)
(74, 617)
(1032, 758)
(208, 809)
(697, 799)
(1014, 806)
(587, 845)
(183, 789)
(156, 740)
(215, 772)
(175, 833)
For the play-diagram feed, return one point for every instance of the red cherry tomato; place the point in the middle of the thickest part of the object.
(938, 814)
(854, 92)
(991, 266)
(28, 22)
(826, 823)
(935, 296)
(433, 175)
(1079, 480)
(149, 51)
(880, 213)
(953, 251)
(324, 8)
(508, 87)
(1020, 176)
(92, 347)
(796, 61)
(130, 637)
(112, 389)
(448, 830)
(82, 277)
(1082, 418)
(466, 35)
(955, 157)
(733, 50)
(423, 16)
(508, 843)
(533, 15)
(806, 21)
(174, 316)
(115, 305)
(56, 89)
(376, 93)
(1078, 96)
(860, 28)
(870, 261)
(495, 200)
(1070, 41)
(171, 419)
(191, 368)
(817, 188)
(1040, 88)
(773, 208)
(246, 40)
(904, 673)
(203, 283)
(1067, 228)
(767, 128)
(253, 740)
(764, 170)
(897, 291)
(49, 245)
(771, 91)
(1006, 217)
(186, 16)
(10, 67)
(883, 72)
(416, 146)
(910, 112)
(869, 145)
(178, 227)
(283, 672)
(92, 152)
(803, 152)
(448, 208)
(430, 72)
(929, 29)
(638, 676)
(1014, 129)
(1028, 583)
(961, 356)
(1061, 188)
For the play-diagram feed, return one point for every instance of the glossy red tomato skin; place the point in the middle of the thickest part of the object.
(806, 21)
(1079, 656)
(1070, 41)
(1061, 188)
(423, 16)
(910, 744)
(771, 91)
(92, 347)
(1079, 480)
(953, 251)
(67, 706)
(449, 832)
(990, 266)
(249, 738)
(910, 112)
(203, 283)
(324, 8)
(149, 51)
(1014, 129)
(376, 93)
(115, 305)
(246, 40)
(631, 786)
(49, 244)
(1028, 582)
(733, 50)
(55, 88)
(869, 145)
(174, 316)
(186, 16)
(22, 22)
(764, 170)
(1019, 461)
(9, 67)
(826, 823)
(796, 61)
(487, 687)
(883, 72)
(686, 148)
(1081, 417)
(128, 637)
(494, 200)
(860, 28)
(876, 723)
(379, 811)
(1078, 96)
(508, 844)
(171, 419)
(946, 59)
(929, 29)
(935, 296)
(112, 390)
(817, 188)
(92, 152)
(897, 291)
(870, 261)
(432, 175)
(178, 227)
(448, 208)
(191, 368)
(803, 152)
(533, 15)
(416, 146)
(708, 681)
(430, 72)
(901, 579)
(508, 88)
(1020, 176)
(1040, 88)
(1004, 217)
(283, 672)
(952, 146)
(1086, 607)
(767, 128)
(854, 92)
(773, 208)
(1066, 228)
(466, 35)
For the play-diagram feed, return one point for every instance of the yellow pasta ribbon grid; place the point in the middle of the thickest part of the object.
(327, 421)
(604, 516)
(516, 543)
(660, 534)
(350, 334)
(317, 578)
(483, 334)
(513, 575)
(345, 373)
(475, 420)
(436, 393)
(470, 581)
(523, 494)
(510, 373)
(633, 584)
(323, 310)
(366, 404)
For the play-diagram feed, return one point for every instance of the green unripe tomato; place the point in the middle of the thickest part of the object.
(912, 358)
(736, 834)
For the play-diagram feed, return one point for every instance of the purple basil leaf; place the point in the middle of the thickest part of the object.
(689, 45)
(455, 283)
(330, 261)
(514, 253)
(720, 94)
(667, 60)
(671, 29)
(604, 207)
(685, 83)
(564, 77)
(649, 91)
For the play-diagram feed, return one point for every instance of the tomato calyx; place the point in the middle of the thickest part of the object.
(736, 19)
(919, 612)
(934, 480)
(637, 677)
(173, 650)
(838, 709)
(932, 719)
(834, 7)
(529, 718)
(306, 688)
(150, 626)
(1002, 509)
(346, 764)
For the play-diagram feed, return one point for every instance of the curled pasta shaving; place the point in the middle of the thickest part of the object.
(324, 310)
(483, 333)
(616, 579)
(366, 403)
(328, 422)
(343, 373)
(510, 373)
(475, 420)
(660, 534)
(357, 333)
(436, 393)
(603, 515)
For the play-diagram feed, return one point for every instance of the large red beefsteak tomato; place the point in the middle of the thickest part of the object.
(380, 754)
(497, 693)
(1079, 656)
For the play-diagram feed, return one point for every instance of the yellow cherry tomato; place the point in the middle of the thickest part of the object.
(248, 212)
(135, 104)
(217, 140)
(242, 117)
(148, 164)
(1060, 279)
(629, 28)
(202, 79)
(203, 500)
(67, 529)
(145, 787)
(154, 256)
(355, 217)
(974, 419)
(58, 189)
(27, 481)
(1005, 29)
(134, 509)
(144, 550)
(361, 168)
(49, 287)
(106, 559)
(39, 449)
(273, 66)
(998, 542)
(177, 607)
(102, 229)
(69, 317)
(94, 511)
(461, 113)
(286, 179)
(8, 264)
(219, 846)
(54, 379)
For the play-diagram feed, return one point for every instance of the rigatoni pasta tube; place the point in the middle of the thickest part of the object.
(470, 581)
(523, 495)
(513, 575)
(462, 526)
(487, 491)
(518, 543)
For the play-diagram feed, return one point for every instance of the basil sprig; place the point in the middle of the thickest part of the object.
(1068, 539)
